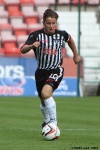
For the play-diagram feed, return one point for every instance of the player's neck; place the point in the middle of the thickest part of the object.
(48, 32)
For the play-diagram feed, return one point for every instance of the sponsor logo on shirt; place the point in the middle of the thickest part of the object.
(44, 41)
(50, 51)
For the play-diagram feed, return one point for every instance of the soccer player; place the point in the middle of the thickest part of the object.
(47, 46)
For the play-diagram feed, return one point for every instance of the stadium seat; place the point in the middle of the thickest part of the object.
(43, 2)
(8, 41)
(11, 2)
(26, 8)
(27, 2)
(5, 32)
(3, 20)
(16, 19)
(1, 2)
(34, 26)
(10, 46)
(31, 17)
(12, 8)
(21, 40)
(19, 29)
(5, 26)
(40, 10)
(63, 1)
(5, 29)
(2, 7)
(12, 5)
(93, 2)
(75, 2)
(12, 51)
(16, 14)
(3, 16)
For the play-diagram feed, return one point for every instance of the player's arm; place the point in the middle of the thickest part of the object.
(26, 48)
(72, 46)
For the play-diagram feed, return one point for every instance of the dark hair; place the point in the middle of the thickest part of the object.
(50, 13)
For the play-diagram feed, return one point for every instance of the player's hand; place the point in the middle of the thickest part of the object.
(36, 44)
(76, 59)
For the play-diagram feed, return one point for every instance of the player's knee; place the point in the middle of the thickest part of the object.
(45, 95)
(46, 91)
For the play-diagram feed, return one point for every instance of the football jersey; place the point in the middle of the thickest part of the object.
(49, 53)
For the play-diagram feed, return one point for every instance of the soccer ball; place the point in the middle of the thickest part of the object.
(50, 132)
(57, 132)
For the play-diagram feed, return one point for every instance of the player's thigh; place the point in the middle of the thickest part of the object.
(46, 91)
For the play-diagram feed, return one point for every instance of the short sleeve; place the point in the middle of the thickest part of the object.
(66, 36)
(31, 39)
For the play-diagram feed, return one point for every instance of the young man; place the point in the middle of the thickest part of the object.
(47, 46)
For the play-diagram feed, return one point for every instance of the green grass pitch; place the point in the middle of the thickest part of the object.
(21, 119)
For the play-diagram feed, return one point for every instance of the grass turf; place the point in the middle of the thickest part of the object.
(21, 119)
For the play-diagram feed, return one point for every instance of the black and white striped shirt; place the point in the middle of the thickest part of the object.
(49, 53)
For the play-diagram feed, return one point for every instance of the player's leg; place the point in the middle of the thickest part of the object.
(51, 84)
(49, 102)
(45, 113)
(40, 81)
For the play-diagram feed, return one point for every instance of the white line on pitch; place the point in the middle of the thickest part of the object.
(79, 129)
(75, 129)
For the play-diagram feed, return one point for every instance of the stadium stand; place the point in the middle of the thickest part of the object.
(89, 45)
(75, 2)
(89, 29)
(20, 17)
(3, 16)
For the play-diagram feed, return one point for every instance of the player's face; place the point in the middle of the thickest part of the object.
(50, 25)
